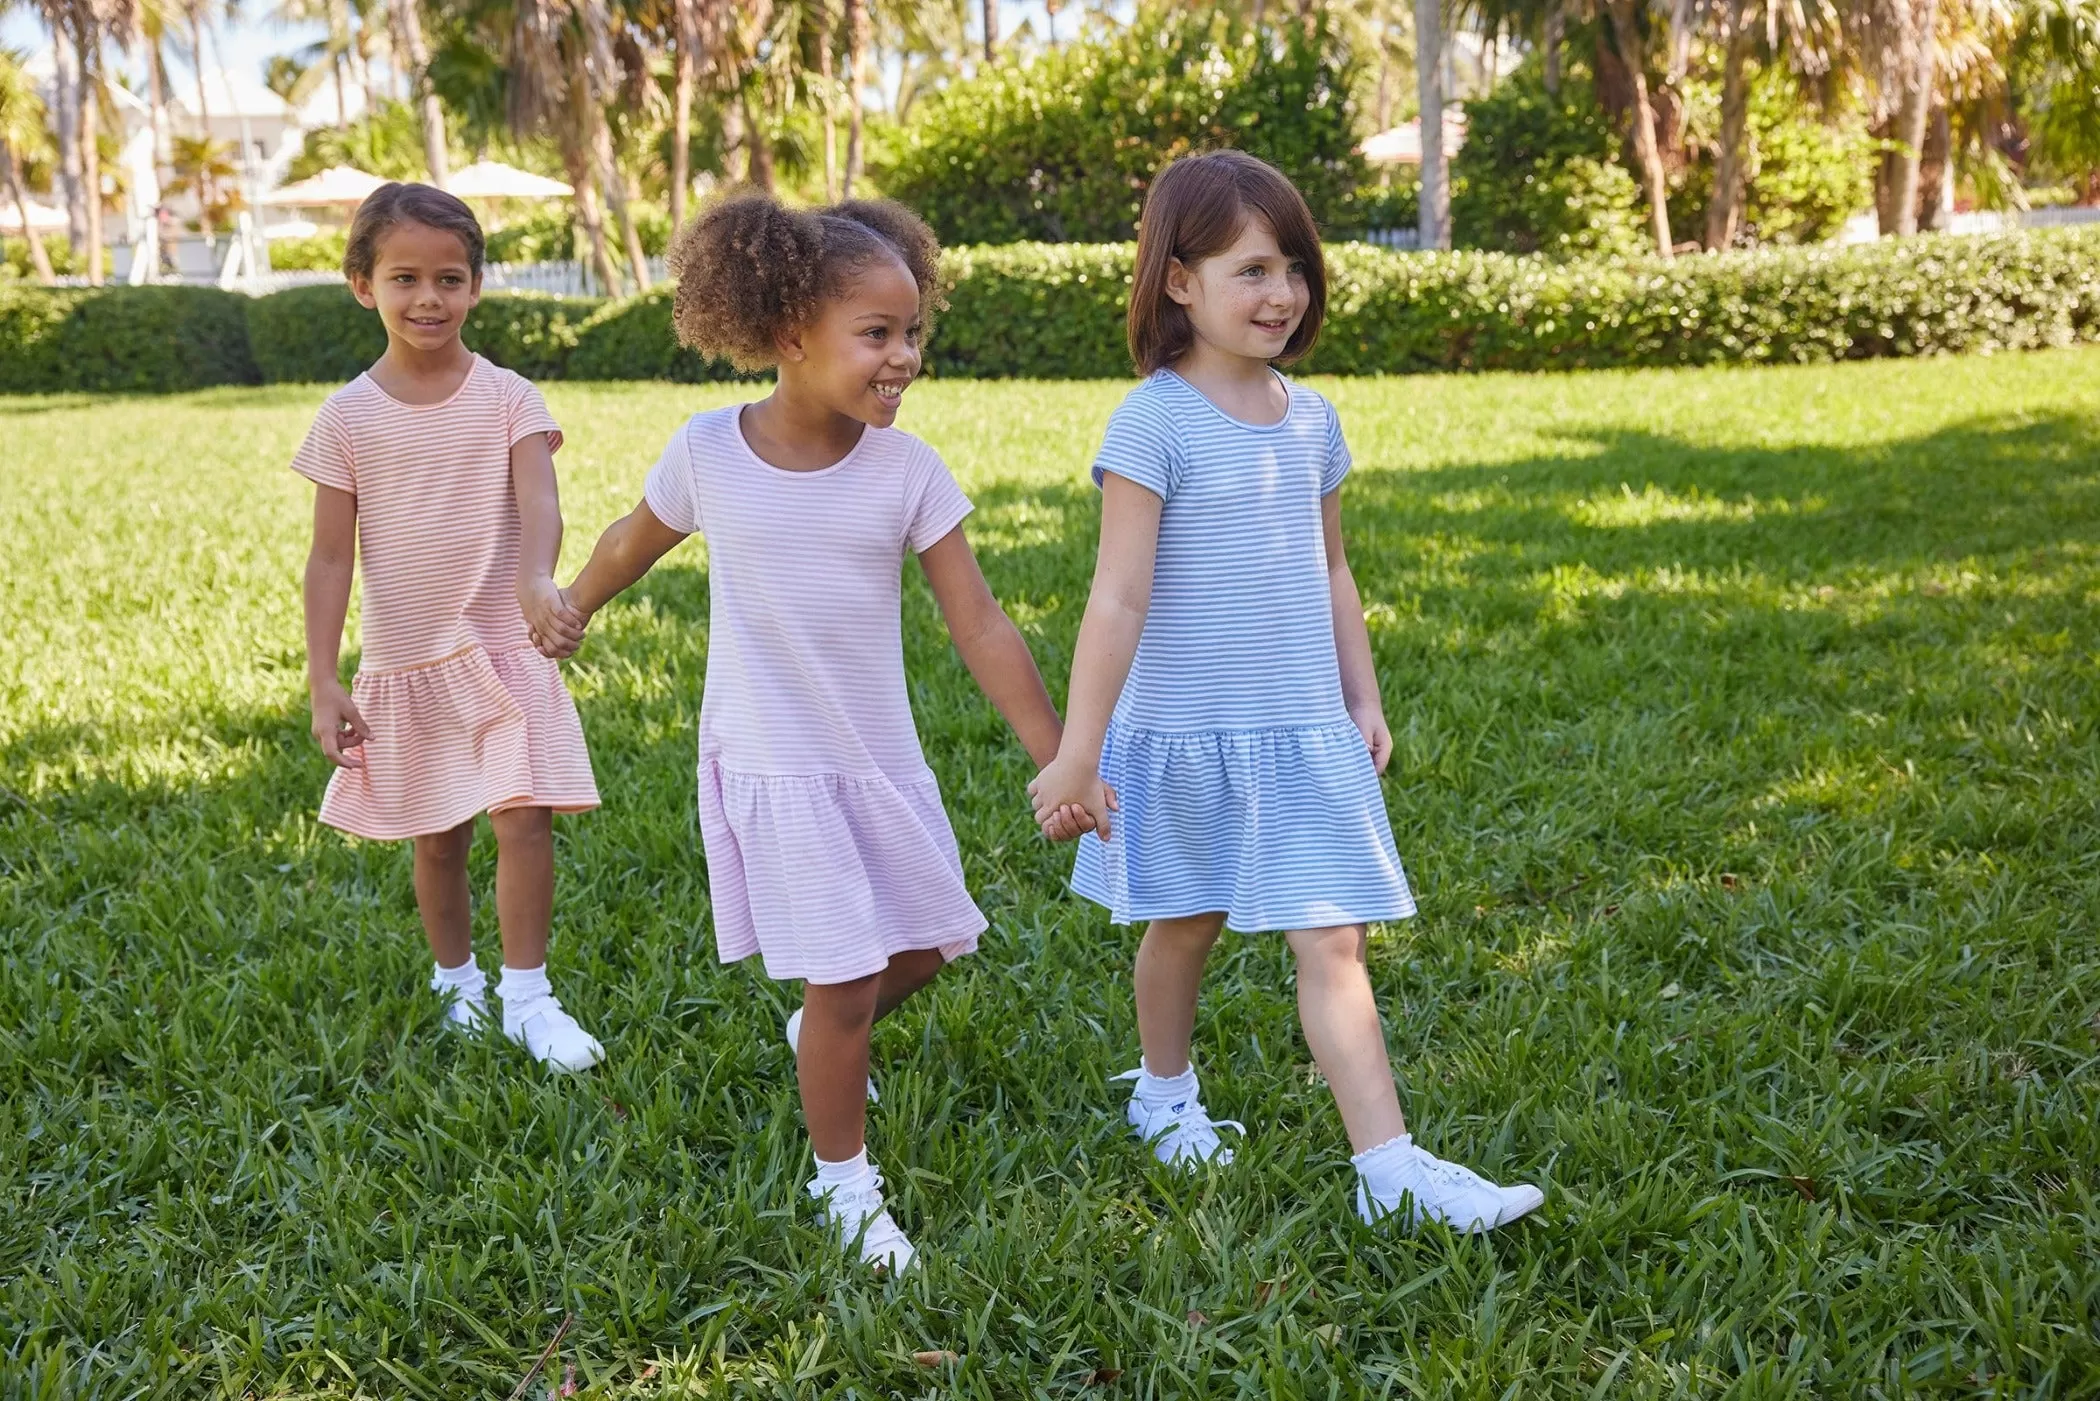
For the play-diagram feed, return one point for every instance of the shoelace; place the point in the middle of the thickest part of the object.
(850, 1211)
(1195, 1128)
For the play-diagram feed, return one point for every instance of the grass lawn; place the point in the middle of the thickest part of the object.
(1746, 769)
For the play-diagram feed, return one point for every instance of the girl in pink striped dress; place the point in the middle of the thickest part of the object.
(437, 468)
(828, 854)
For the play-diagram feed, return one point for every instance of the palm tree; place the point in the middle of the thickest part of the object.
(1647, 150)
(22, 138)
(81, 27)
(549, 93)
(204, 168)
(991, 29)
(1433, 209)
(409, 26)
(857, 39)
(599, 71)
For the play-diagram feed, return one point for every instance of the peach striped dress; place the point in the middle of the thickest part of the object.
(465, 715)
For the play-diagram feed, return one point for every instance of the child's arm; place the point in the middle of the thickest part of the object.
(623, 554)
(1108, 640)
(557, 629)
(338, 728)
(1352, 640)
(990, 645)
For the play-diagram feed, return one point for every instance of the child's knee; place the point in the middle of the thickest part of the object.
(449, 845)
(1335, 950)
(522, 825)
(845, 1005)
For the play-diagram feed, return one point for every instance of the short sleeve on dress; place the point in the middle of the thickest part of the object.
(936, 504)
(325, 457)
(1338, 460)
(1141, 445)
(670, 489)
(526, 413)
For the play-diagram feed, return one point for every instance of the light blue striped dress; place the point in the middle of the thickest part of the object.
(1245, 786)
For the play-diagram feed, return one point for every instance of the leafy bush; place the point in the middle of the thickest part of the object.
(321, 335)
(387, 141)
(321, 252)
(1372, 207)
(15, 261)
(546, 237)
(1034, 310)
(1062, 146)
(122, 338)
(1540, 173)
(1807, 172)
(633, 339)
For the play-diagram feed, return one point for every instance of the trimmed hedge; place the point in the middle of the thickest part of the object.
(139, 339)
(1055, 311)
(321, 334)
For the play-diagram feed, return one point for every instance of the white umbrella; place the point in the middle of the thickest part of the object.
(42, 217)
(495, 180)
(339, 184)
(1402, 145)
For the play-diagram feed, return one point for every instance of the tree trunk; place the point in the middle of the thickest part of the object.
(825, 102)
(990, 10)
(1911, 116)
(1646, 154)
(157, 112)
(581, 178)
(736, 141)
(686, 71)
(856, 75)
(1556, 30)
(338, 44)
(67, 83)
(599, 96)
(411, 30)
(760, 146)
(1433, 218)
(1936, 170)
(91, 150)
(38, 259)
(1724, 211)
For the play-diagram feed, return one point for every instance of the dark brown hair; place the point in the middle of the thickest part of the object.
(751, 269)
(393, 205)
(1196, 209)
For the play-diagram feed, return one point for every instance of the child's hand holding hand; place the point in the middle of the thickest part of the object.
(557, 625)
(338, 728)
(1071, 798)
(1370, 722)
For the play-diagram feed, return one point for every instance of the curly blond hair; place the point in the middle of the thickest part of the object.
(750, 269)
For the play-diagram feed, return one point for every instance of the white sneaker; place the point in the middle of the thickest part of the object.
(794, 1040)
(1182, 1134)
(858, 1217)
(541, 1026)
(462, 1012)
(1430, 1189)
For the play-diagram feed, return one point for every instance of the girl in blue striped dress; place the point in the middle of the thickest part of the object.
(1225, 731)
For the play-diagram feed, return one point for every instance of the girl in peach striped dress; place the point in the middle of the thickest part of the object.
(437, 467)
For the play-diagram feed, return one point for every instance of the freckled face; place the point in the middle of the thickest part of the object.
(1247, 300)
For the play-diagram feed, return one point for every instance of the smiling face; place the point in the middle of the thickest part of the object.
(862, 351)
(1247, 300)
(422, 285)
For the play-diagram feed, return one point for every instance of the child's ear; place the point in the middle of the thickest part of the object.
(1178, 282)
(361, 288)
(474, 292)
(789, 343)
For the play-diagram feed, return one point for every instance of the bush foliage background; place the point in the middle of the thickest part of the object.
(1056, 311)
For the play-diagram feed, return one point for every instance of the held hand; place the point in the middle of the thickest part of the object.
(1068, 785)
(338, 728)
(1370, 723)
(557, 626)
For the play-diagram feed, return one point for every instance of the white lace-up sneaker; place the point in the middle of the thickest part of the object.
(464, 1011)
(1423, 1187)
(543, 1027)
(1182, 1134)
(794, 1040)
(856, 1214)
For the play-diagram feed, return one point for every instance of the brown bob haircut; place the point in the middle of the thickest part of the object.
(1196, 209)
(398, 203)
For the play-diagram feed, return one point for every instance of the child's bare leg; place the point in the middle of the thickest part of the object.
(442, 898)
(1340, 1016)
(908, 972)
(524, 883)
(1169, 974)
(831, 1064)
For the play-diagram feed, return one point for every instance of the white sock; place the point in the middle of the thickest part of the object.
(845, 1174)
(523, 984)
(1157, 1092)
(1380, 1166)
(466, 981)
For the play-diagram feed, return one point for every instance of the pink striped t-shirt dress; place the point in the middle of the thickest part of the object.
(827, 847)
(465, 715)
